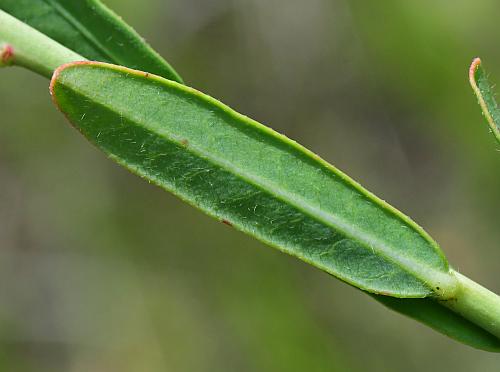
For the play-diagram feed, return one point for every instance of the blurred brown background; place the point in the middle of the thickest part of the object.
(100, 271)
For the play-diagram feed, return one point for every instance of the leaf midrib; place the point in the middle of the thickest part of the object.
(83, 31)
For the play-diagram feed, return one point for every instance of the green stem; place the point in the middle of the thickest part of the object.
(22, 45)
(476, 303)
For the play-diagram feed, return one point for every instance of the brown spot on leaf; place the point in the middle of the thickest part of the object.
(226, 222)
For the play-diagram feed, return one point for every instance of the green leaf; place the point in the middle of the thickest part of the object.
(92, 30)
(443, 320)
(485, 96)
(250, 177)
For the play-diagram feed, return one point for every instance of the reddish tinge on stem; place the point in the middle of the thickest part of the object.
(6, 55)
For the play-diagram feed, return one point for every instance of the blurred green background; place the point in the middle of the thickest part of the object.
(100, 271)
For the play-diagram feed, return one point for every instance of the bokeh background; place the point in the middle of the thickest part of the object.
(100, 271)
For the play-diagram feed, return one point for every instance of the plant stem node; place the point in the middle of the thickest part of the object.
(6, 55)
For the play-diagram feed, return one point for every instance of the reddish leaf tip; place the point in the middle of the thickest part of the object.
(56, 74)
(58, 71)
(476, 62)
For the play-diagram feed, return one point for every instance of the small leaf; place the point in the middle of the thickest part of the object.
(92, 30)
(485, 96)
(246, 175)
(443, 320)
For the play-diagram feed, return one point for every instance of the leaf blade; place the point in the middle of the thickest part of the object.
(239, 171)
(485, 96)
(92, 30)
